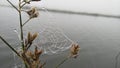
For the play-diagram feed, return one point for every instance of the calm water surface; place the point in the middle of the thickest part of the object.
(99, 38)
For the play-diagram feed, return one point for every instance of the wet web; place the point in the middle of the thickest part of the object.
(51, 38)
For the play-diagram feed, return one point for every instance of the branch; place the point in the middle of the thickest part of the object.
(62, 62)
(26, 21)
(9, 45)
(13, 5)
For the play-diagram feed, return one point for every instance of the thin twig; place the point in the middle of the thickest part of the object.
(26, 21)
(9, 45)
(62, 62)
(13, 5)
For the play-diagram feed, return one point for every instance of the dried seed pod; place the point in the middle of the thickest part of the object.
(37, 52)
(34, 36)
(74, 50)
(29, 37)
(29, 54)
(36, 14)
(33, 12)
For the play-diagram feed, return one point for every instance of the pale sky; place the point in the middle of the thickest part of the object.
(94, 6)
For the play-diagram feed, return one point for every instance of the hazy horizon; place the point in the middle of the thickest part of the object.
(93, 6)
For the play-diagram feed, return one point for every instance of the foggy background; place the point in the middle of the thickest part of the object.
(110, 7)
(98, 37)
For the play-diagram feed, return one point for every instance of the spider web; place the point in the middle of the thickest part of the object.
(51, 38)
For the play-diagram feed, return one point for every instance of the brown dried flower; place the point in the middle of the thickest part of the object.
(31, 37)
(28, 54)
(37, 52)
(32, 58)
(34, 36)
(33, 12)
(74, 50)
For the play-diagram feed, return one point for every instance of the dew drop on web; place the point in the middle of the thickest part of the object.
(51, 38)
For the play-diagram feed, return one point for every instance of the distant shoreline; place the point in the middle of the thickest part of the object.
(72, 12)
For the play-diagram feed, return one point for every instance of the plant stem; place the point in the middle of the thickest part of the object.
(9, 46)
(21, 29)
(13, 5)
(26, 21)
(62, 62)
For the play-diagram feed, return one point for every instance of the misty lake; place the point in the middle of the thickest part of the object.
(98, 37)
